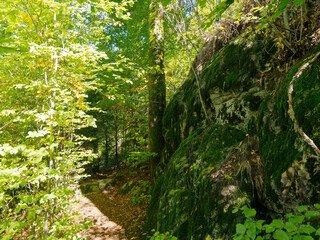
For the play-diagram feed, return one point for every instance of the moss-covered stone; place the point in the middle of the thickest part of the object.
(183, 198)
(95, 186)
(279, 142)
(240, 158)
(229, 87)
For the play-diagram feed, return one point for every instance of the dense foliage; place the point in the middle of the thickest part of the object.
(48, 63)
(74, 96)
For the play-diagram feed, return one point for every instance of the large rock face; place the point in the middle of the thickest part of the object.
(238, 156)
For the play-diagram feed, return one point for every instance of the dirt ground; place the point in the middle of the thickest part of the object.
(112, 213)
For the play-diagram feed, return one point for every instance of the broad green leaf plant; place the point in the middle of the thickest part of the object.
(300, 226)
(48, 61)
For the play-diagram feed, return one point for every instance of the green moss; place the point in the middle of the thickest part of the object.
(251, 127)
(231, 68)
(253, 102)
(152, 215)
(306, 98)
(217, 138)
(186, 199)
(279, 145)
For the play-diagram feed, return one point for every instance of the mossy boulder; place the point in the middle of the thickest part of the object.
(237, 157)
(95, 186)
(229, 86)
(197, 190)
(279, 142)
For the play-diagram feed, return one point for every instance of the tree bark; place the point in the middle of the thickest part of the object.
(116, 139)
(156, 81)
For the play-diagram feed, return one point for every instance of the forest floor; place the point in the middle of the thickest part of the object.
(115, 215)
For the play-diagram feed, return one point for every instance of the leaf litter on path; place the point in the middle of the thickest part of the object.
(112, 213)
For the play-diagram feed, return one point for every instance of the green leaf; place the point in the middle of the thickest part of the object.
(219, 9)
(259, 224)
(237, 237)
(306, 229)
(296, 219)
(297, 3)
(307, 238)
(290, 227)
(208, 237)
(302, 208)
(281, 7)
(4, 49)
(165, 2)
(311, 214)
(240, 229)
(280, 235)
(277, 223)
(268, 228)
(248, 212)
(251, 232)
(202, 2)
(235, 210)
(289, 215)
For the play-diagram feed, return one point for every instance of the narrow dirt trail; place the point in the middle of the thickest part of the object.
(102, 227)
(112, 213)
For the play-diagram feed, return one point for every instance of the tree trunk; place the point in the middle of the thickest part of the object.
(156, 81)
(116, 140)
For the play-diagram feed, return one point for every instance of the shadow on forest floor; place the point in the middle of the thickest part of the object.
(112, 213)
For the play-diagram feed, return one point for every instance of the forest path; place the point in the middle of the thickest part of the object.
(113, 215)
(102, 228)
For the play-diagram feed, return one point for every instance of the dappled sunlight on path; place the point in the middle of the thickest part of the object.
(102, 228)
(112, 212)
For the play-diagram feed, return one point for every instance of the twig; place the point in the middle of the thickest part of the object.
(9, 122)
(6, 125)
(199, 90)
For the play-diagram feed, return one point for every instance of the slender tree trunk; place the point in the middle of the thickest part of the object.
(116, 139)
(156, 81)
(107, 148)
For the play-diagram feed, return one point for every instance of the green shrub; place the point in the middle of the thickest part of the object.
(139, 159)
(140, 192)
(295, 226)
(163, 236)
